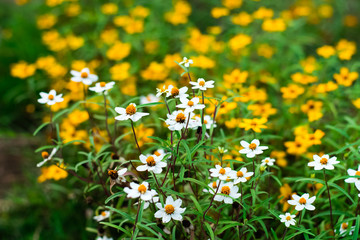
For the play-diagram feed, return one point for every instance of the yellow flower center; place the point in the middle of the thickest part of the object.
(44, 154)
(142, 189)
(131, 109)
(102, 84)
(180, 118)
(190, 103)
(323, 161)
(288, 218)
(157, 153)
(302, 200)
(84, 75)
(225, 190)
(169, 209)
(239, 174)
(344, 226)
(103, 214)
(205, 121)
(202, 83)
(266, 160)
(357, 173)
(150, 161)
(51, 97)
(222, 171)
(175, 91)
(186, 60)
(252, 146)
(214, 185)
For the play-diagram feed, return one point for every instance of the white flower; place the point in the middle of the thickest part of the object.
(102, 86)
(227, 192)
(175, 92)
(152, 163)
(150, 98)
(102, 216)
(355, 180)
(152, 200)
(222, 150)
(160, 91)
(140, 190)
(208, 121)
(186, 62)
(344, 228)
(288, 219)
(160, 153)
(83, 76)
(241, 175)
(212, 187)
(171, 210)
(190, 105)
(103, 238)
(267, 161)
(302, 202)
(221, 173)
(202, 84)
(252, 149)
(50, 98)
(130, 112)
(47, 157)
(121, 177)
(323, 162)
(178, 120)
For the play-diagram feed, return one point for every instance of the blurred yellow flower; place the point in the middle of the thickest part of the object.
(263, 13)
(155, 71)
(53, 172)
(346, 49)
(292, 91)
(73, 10)
(46, 21)
(265, 50)
(325, 11)
(140, 12)
(118, 51)
(356, 103)
(274, 25)
(109, 36)
(262, 110)
(309, 64)
(345, 77)
(242, 19)
(219, 12)
(22, 70)
(74, 42)
(326, 51)
(312, 109)
(350, 20)
(236, 77)
(239, 42)
(303, 78)
(255, 124)
(109, 8)
(120, 71)
(151, 47)
(232, 4)
(280, 158)
(202, 61)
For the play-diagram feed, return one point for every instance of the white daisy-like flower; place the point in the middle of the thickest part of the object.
(47, 157)
(344, 228)
(221, 173)
(150, 98)
(241, 175)
(267, 161)
(178, 120)
(102, 216)
(104, 238)
(190, 105)
(83, 76)
(140, 190)
(152, 163)
(160, 153)
(322, 162)
(186, 62)
(227, 192)
(202, 84)
(252, 149)
(147, 203)
(212, 187)
(302, 202)
(50, 98)
(288, 219)
(352, 179)
(102, 86)
(171, 210)
(121, 177)
(161, 91)
(208, 121)
(130, 112)
(175, 92)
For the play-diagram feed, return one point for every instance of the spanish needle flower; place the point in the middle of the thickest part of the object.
(241, 175)
(151, 98)
(102, 87)
(190, 105)
(302, 202)
(323, 162)
(221, 173)
(152, 163)
(104, 238)
(267, 161)
(287, 219)
(83, 76)
(202, 84)
(344, 228)
(121, 178)
(252, 149)
(47, 157)
(176, 92)
(227, 192)
(102, 216)
(178, 120)
(130, 112)
(147, 203)
(50, 98)
(212, 187)
(171, 210)
(140, 190)
(186, 62)
(352, 179)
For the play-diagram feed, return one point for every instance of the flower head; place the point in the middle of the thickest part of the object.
(241, 176)
(171, 210)
(288, 219)
(186, 62)
(267, 161)
(151, 98)
(120, 175)
(323, 162)
(130, 112)
(152, 163)
(212, 187)
(344, 228)
(175, 92)
(179, 120)
(252, 149)
(221, 173)
(352, 179)
(102, 86)
(50, 98)
(83, 76)
(102, 216)
(140, 190)
(202, 84)
(302, 202)
(190, 105)
(227, 192)
(47, 157)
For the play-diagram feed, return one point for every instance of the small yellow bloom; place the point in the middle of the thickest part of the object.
(255, 124)
(326, 51)
(345, 77)
(274, 25)
(292, 91)
(109, 8)
(118, 51)
(232, 4)
(218, 12)
(265, 50)
(345, 49)
(120, 71)
(46, 21)
(239, 41)
(22, 70)
(155, 71)
(242, 19)
(263, 13)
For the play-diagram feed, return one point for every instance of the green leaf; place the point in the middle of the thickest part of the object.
(197, 205)
(113, 196)
(211, 233)
(127, 232)
(357, 226)
(40, 127)
(341, 190)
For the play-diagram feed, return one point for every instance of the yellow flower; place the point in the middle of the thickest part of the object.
(239, 41)
(200, 43)
(109, 8)
(345, 49)
(312, 109)
(21, 2)
(236, 77)
(325, 11)
(274, 25)
(77, 117)
(122, 21)
(180, 14)
(46, 21)
(280, 158)
(109, 36)
(53, 172)
(309, 64)
(155, 71)
(296, 147)
(252, 94)
(61, 105)
(326, 51)
(303, 78)
(203, 62)
(345, 77)
(350, 20)
(325, 87)
(45, 62)
(292, 91)
(313, 138)
(73, 10)
(356, 103)
(118, 51)
(134, 26)
(265, 50)
(169, 60)
(219, 12)
(262, 110)
(232, 4)
(242, 19)
(120, 71)
(74, 42)
(50, 36)
(140, 12)
(263, 13)
(56, 71)
(256, 124)
(22, 70)
(142, 134)
(285, 195)
(151, 47)
(233, 123)
(216, 30)
(130, 87)
(53, 3)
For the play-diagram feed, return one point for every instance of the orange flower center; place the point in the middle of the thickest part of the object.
(180, 118)
(225, 190)
(51, 97)
(150, 161)
(357, 173)
(323, 161)
(222, 171)
(266, 160)
(190, 103)
(84, 74)
(288, 218)
(102, 84)
(205, 121)
(175, 91)
(142, 189)
(239, 174)
(44, 154)
(131, 109)
(202, 83)
(252, 146)
(103, 214)
(302, 200)
(344, 226)
(214, 185)
(169, 209)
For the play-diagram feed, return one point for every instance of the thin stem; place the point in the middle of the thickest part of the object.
(299, 223)
(136, 219)
(203, 110)
(137, 144)
(106, 120)
(283, 237)
(328, 190)
(212, 199)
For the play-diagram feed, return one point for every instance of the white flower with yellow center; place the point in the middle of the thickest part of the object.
(130, 112)
(208, 121)
(152, 200)
(152, 163)
(241, 176)
(103, 215)
(220, 172)
(186, 62)
(202, 84)
(252, 149)
(50, 98)
(344, 228)
(190, 105)
(267, 161)
(140, 190)
(83, 76)
(102, 86)
(353, 179)
(178, 120)
(121, 175)
(161, 91)
(322, 162)
(303, 201)
(227, 192)
(212, 187)
(175, 92)
(288, 219)
(104, 238)
(171, 210)
(150, 98)
(47, 157)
